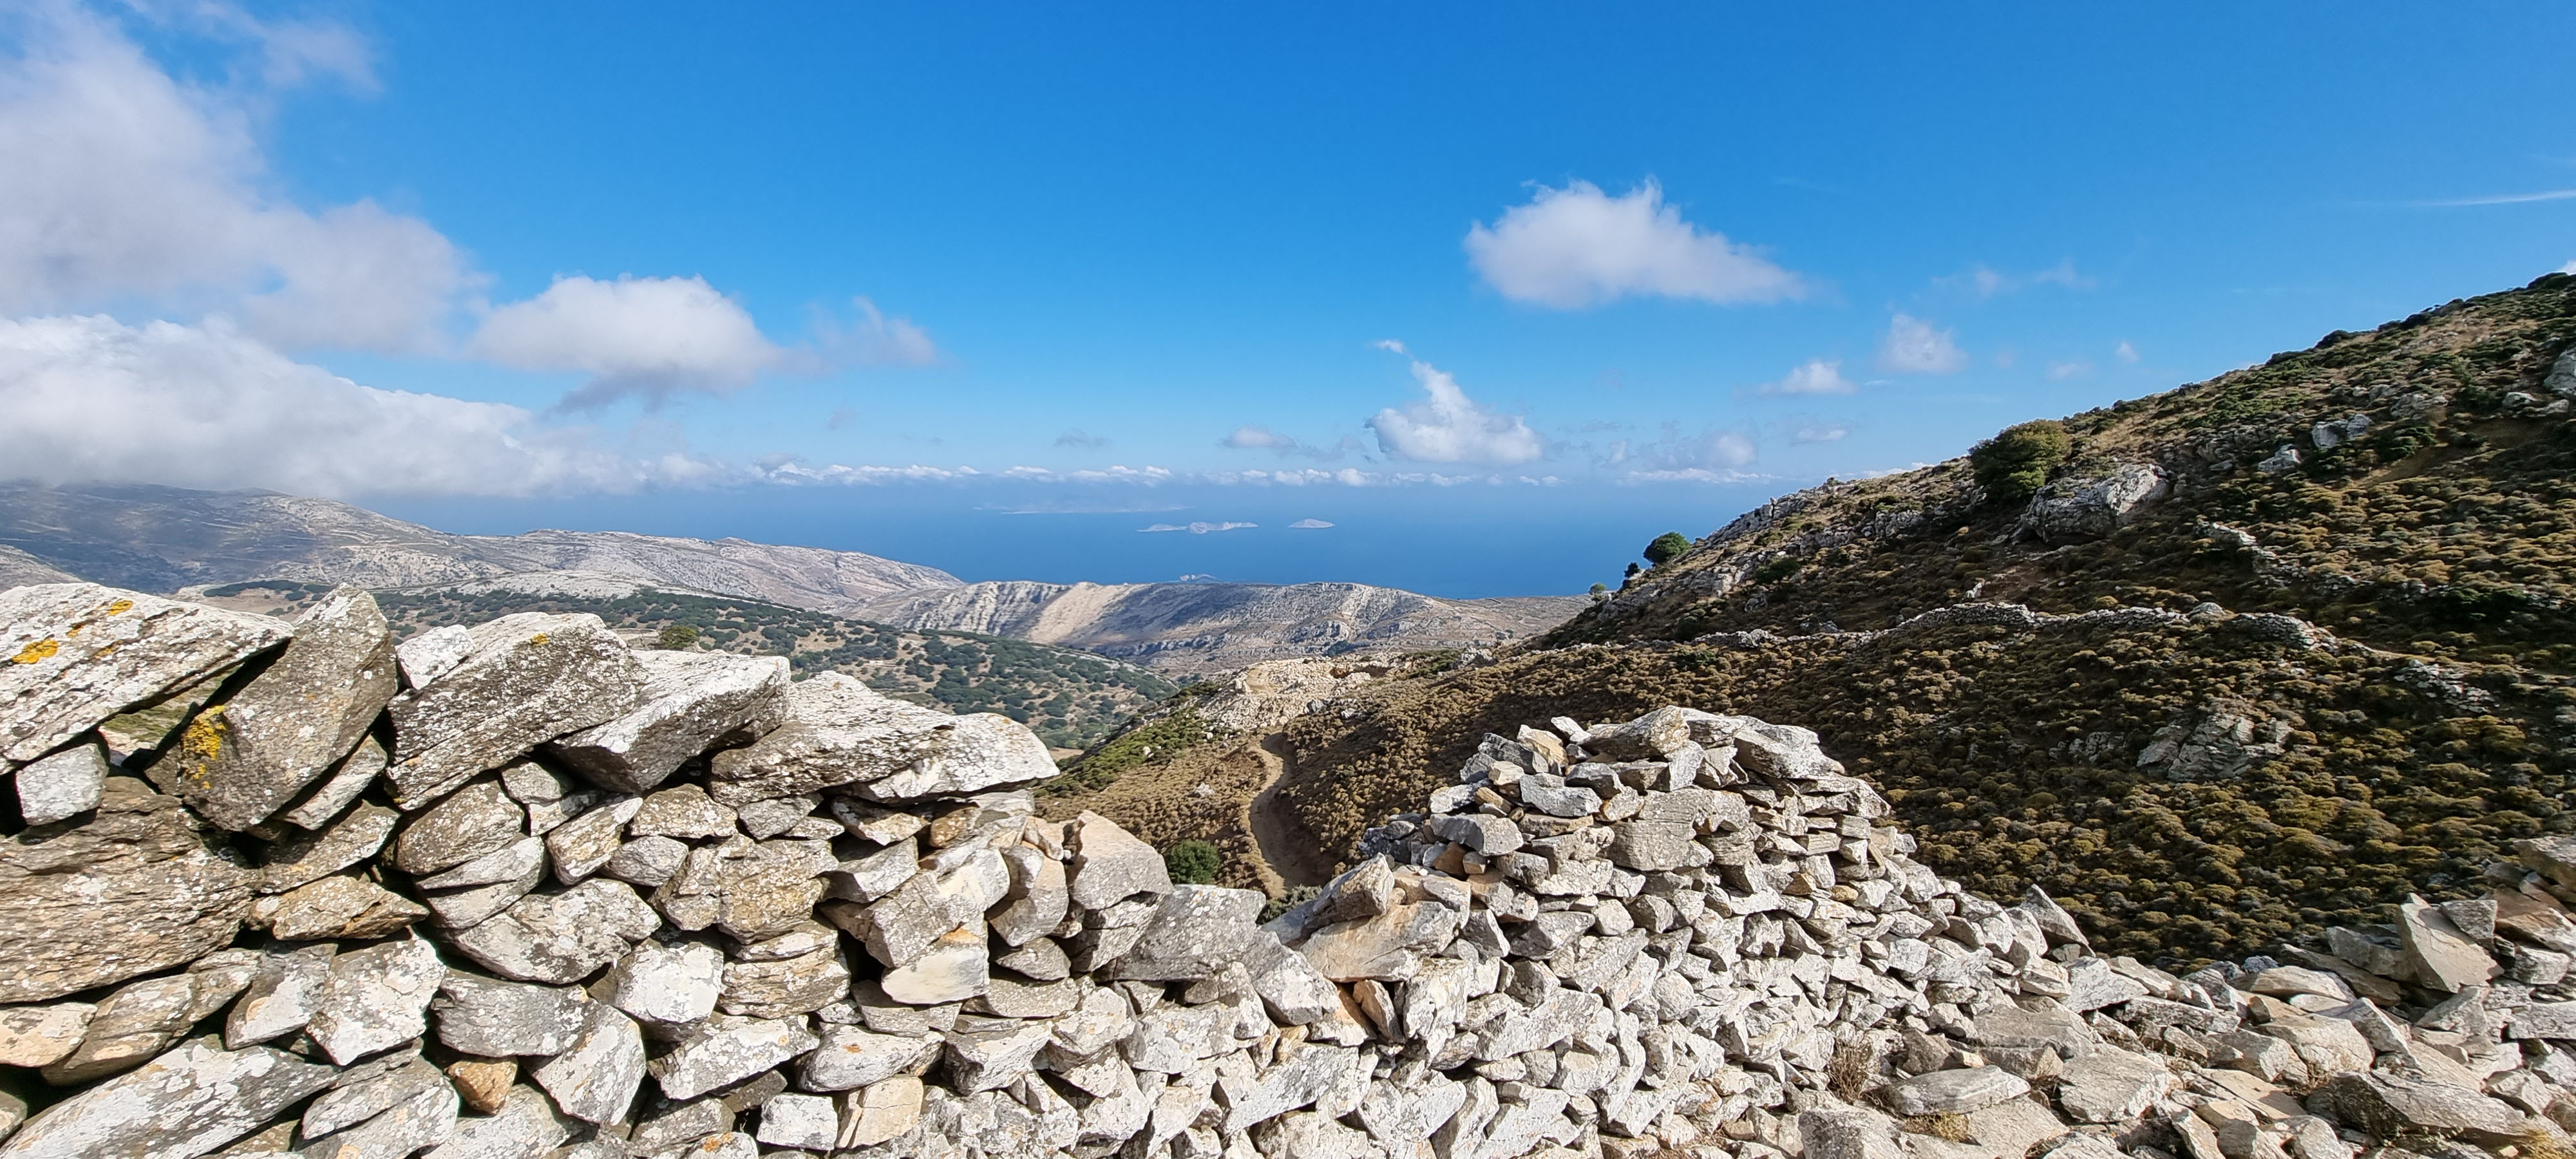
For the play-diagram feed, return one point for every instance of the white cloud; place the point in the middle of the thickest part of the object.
(90, 398)
(1985, 281)
(1253, 437)
(634, 336)
(1197, 528)
(1309, 525)
(1818, 376)
(124, 185)
(1449, 427)
(871, 340)
(1389, 345)
(1714, 456)
(2569, 268)
(1081, 440)
(1577, 246)
(1914, 346)
(1820, 433)
(2129, 354)
(2061, 371)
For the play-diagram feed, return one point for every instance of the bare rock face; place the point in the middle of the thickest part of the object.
(294, 720)
(130, 890)
(838, 732)
(693, 700)
(73, 655)
(2073, 510)
(529, 678)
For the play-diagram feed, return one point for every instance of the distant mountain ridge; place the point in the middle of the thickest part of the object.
(1203, 626)
(166, 538)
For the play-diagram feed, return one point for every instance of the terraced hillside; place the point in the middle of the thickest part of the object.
(1070, 699)
(2259, 655)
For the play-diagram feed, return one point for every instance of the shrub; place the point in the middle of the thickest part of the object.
(1192, 862)
(1669, 546)
(677, 636)
(2013, 465)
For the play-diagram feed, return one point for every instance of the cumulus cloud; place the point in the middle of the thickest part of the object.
(644, 337)
(1081, 441)
(1577, 246)
(2569, 268)
(1449, 427)
(123, 185)
(91, 398)
(1914, 346)
(1196, 528)
(1817, 376)
(1309, 525)
(2129, 354)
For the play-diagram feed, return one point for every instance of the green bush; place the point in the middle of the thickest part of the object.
(677, 636)
(1191, 862)
(1669, 546)
(2013, 465)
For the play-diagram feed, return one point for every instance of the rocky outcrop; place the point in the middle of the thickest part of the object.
(2073, 510)
(850, 933)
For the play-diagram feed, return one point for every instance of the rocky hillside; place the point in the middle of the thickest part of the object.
(1220, 627)
(1071, 699)
(163, 538)
(2259, 655)
(530, 893)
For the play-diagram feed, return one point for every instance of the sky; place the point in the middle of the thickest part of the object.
(1472, 299)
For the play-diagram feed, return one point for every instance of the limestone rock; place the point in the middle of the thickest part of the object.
(310, 857)
(1109, 864)
(2074, 510)
(668, 985)
(786, 987)
(62, 786)
(563, 937)
(469, 823)
(187, 1102)
(32, 1036)
(851, 1057)
(73, 655)
(432, 654)
(494, 1019)
(883, 1112)
(281, 998)
(586, 844)
(341, 908)
(727, 1051)
(806, 1121)
(596, 1076)
(952, 970)
(2442, 957)
(2387, 1105)
(1196, 930)
(838, 732)
(341, 786)
(528, 678)
(130, 1026)
(1954, 1092)
(127, 891)
(2112, 1086)
(691, 700)
(745, 888)
(294, 720)
(374, 999)
(526, 1127)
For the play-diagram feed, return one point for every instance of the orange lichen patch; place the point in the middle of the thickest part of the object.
(204, 739)
(120, 607)
(40, 650)
(537, 641)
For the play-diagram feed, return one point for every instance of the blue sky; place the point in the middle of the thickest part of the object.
(1495, 290)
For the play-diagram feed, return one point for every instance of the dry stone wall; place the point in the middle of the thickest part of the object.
(514, 891)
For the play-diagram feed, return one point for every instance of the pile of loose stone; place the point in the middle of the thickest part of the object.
(520, 891)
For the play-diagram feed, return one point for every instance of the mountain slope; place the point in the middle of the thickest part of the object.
(165, 538)
(2269, 696)
(1207, 627)
(1070, 699)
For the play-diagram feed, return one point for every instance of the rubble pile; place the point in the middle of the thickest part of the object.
(516, 891)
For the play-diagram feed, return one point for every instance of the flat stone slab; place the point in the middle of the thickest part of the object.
(73, 655)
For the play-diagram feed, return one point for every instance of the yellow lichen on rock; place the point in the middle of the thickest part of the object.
(120, 607)
(40, 650)
(202, 742)
(537, 641)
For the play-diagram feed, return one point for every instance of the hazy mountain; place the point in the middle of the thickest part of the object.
(1201, 627)
(164, 538)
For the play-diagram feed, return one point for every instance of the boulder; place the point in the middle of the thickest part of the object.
(188, 1102)
(1953, 1092)
(1109, 864)
(73, 655)
(2442, 957)
(691, 701)
(128, 890)
(62, 786)
(256, 751)
(838, 732)
(2074, 510)
(2112, 1086)
(528, 678)
(2387, 1105)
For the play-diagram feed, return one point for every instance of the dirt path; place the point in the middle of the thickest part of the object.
(1293, 856)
